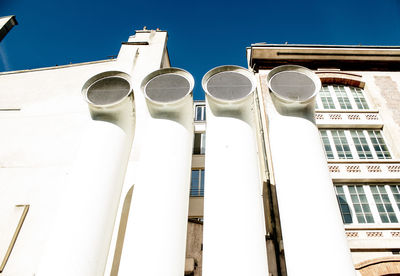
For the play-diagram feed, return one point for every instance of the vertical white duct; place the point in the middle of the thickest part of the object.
(312, 229)
(80, 240)
(155, 239)
(234, 231)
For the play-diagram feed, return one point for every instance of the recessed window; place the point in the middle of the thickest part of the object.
(383, 204)
(368, 203)
(200, 113)
(378, 144)
(197, 183)
(341, 97)
(199, 145)
(361, 144)
(354, 144)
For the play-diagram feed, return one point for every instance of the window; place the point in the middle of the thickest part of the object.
(344, 207)
(395, 189)
(383, 204)
(341, 145)
(197, 183)
(360, 204)
(379, 144)
(354, 144)
(327, 145)
(326, 98)
(368, 203)
(199, 145)
(359, 98)
(361, 144)
(200, 113)
(341, 97)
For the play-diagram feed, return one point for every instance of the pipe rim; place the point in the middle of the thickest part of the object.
(106, 75)
(228, 68)
(298, 69)
(164, 71)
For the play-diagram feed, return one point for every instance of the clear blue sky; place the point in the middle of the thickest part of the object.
(202, 34)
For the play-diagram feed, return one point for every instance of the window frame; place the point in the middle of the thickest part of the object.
(202, 148)
(377, 220)
(200, 109)
(352, 145)
(197, 189)
(347, 93)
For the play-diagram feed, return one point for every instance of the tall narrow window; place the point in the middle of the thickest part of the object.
(197, 183)
(383, 204)
(359, 98)
(379, 145)
(341, 144)
(343, 205)
(360, 204)
(396, 194)
(326, 98)
(327, 145)
(200, 113)
(361, 144)
(199, 145)
(342, 97)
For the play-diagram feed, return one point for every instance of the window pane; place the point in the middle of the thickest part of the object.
(327, 144)
(359, 98)
(344, 207)
(361, 144)
(197, 183)
(342, 97)
(199, 143)
(396, 194)
(341, 144)
(379, 145)
(326, 98)
(202, 183)
(363, 211)
(194, 185)
(385, 210)
(200, 113)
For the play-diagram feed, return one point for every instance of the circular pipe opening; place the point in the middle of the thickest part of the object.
(228, 83)
(166, 86)
(108, 91)
(107, 88)
(293, 83)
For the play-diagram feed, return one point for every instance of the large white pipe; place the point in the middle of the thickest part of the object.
(80, 240)
(155, 239)
(312, 229)
(234, 232)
